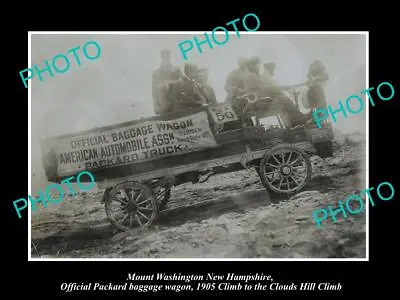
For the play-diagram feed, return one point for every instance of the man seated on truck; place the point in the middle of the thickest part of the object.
(162, 81)
(269, 70)
(188, 92)
(235, 82)
(265, 86)
(315, 95)
(205, 87)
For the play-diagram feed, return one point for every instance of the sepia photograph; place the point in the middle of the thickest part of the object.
(224, 155)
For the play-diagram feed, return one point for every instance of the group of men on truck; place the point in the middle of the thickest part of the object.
(176, 91)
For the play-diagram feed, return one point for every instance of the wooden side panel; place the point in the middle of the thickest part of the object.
(226, 144)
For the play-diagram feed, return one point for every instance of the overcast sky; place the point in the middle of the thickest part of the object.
(116, 87)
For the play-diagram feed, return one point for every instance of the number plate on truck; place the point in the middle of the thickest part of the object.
(222, 113)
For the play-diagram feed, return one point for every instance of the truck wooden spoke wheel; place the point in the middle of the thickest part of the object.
(131, 205)
(285, 169)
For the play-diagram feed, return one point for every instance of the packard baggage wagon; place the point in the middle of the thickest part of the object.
(138, 163)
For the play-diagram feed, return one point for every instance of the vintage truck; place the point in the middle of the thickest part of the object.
(138, 163)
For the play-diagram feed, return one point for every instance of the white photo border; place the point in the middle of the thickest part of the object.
(30, 33)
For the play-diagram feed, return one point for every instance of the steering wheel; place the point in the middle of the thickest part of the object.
(252, 97)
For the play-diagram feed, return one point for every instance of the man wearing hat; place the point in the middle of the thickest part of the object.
(269, 70)
(242, 80)
(187, 93)
(235, 82)
(254, 78)
(265, 86)
(162, 81)
(206, 88)
(317, 78)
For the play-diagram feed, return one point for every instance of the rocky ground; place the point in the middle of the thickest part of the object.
(230, 216)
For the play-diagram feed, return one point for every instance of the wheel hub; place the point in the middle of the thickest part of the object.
(131, 207)
(286, 170)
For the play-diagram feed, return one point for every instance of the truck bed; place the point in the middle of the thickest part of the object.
(229, 147)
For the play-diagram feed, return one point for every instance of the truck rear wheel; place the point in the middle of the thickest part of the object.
(130, 205)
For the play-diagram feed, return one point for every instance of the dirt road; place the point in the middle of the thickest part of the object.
(230, 216)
